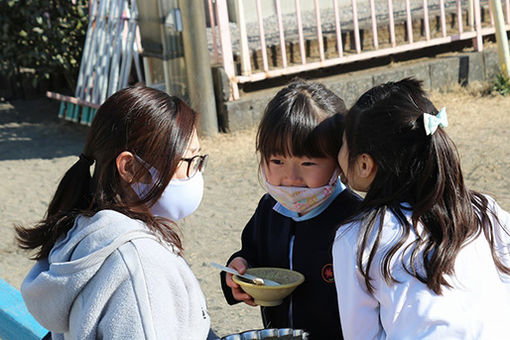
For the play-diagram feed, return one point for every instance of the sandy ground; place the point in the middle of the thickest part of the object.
(36, 148)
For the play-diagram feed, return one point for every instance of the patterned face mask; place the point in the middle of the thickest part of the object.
(301, 199)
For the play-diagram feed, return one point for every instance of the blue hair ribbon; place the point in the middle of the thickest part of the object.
(431, 122)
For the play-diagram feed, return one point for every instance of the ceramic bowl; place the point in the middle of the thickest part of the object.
(270, 295)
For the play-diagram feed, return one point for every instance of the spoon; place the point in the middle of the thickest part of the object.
(256, 280)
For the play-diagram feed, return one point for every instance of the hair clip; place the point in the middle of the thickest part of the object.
(431, 122)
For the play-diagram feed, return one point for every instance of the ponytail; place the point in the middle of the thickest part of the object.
(71, 197)
(142, 120)
(73, 192)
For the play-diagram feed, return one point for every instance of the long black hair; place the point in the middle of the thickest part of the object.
(421, 170)
(147, 122)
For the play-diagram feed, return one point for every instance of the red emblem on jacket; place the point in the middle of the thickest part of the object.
(327, 273)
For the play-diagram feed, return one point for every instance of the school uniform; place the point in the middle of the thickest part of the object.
(278, 237)
(476, 306)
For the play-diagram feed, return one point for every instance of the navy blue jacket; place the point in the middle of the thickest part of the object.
(265, 243)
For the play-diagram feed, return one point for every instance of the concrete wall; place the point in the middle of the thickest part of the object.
(269, 7)
(440, 72)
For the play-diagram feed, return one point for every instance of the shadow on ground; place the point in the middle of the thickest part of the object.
(31, 129)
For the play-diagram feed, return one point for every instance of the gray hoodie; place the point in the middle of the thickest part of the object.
(111, 278)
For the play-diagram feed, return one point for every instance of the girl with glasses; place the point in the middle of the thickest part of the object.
(109, 258)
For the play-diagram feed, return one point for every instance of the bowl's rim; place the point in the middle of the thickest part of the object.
(242, 282)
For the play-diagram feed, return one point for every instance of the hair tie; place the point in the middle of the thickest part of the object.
(85, 159)
(431, 122)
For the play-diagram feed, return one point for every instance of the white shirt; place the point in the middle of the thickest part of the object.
(477, 307)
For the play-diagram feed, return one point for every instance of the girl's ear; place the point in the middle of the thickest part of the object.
(366, 169)
(126, 166)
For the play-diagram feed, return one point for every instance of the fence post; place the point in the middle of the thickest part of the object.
(226, 47)
(198, 66)
(243, 38)
(501, 38)
(471, 14)
(478, 41)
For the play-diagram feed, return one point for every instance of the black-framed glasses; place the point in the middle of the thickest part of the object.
(195, 164)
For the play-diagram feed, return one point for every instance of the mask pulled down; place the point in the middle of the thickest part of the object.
(301, 199)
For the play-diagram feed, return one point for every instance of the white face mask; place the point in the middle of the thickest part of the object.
(180, 198)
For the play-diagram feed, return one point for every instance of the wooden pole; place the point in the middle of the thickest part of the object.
(501, 38)
(198, 66)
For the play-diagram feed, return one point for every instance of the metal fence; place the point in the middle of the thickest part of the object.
(259, 39)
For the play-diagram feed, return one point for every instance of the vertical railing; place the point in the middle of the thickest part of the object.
(283, 49)
(300, 32)
(374, 24)
(226, 47)
(426, 19)
(442, 17)
(212, 21)
(459, 16)
(491, 12)
(338, 29)
(243, 39)
(392, 24)
(507, 7)
(365, 19)
(319, 29)
(471, 14)
(356, 26)
(409, 23)
(262, 36)
(478, 26)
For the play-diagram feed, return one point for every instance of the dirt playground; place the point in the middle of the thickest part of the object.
(36, 149)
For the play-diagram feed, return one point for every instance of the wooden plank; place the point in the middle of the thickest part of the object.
(72, 100)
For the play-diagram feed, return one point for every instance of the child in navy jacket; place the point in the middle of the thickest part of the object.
(293, 227)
